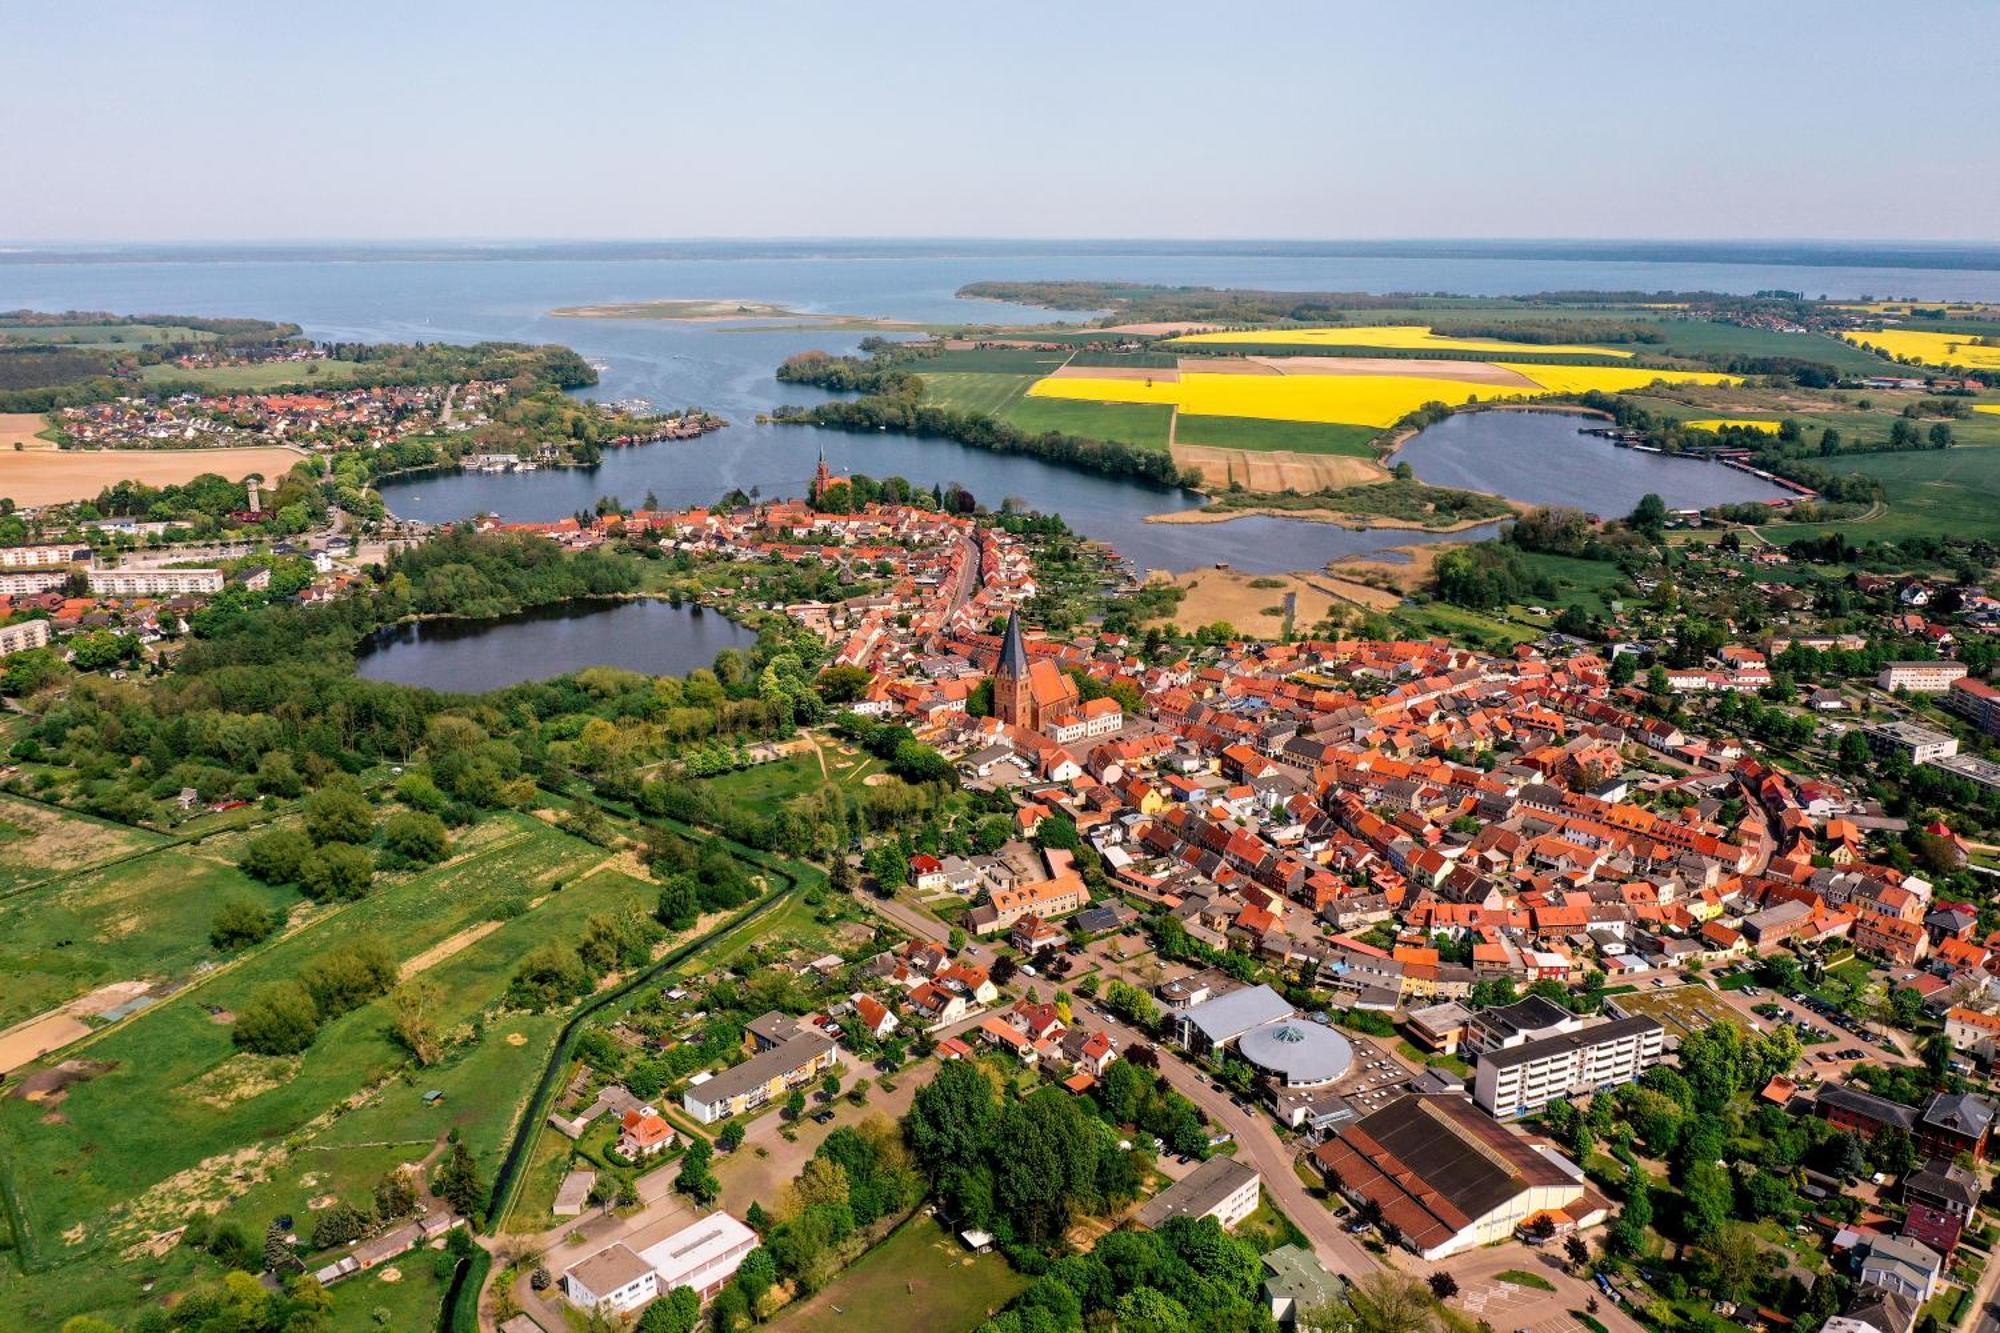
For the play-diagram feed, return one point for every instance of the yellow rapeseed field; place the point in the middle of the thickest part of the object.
(1987, 407)
(1608, 379)
(1933, 349)
(1741, 423)
(1357, 400)
(1398, 337)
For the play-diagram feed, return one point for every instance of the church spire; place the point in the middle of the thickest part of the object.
(1013, 652)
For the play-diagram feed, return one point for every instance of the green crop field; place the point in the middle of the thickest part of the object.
(103, 335)
(974, 391)
(992, 361)
(1145, 425)
(922, 1272)
(1942, 492)
(263, 375)
(143, 918)
(1591, 584)
(1306, 437)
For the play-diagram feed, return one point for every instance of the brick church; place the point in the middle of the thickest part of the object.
(1034, 695)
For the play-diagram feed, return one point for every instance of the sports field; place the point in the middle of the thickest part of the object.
(1932, 349)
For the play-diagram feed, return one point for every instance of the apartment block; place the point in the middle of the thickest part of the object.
(1514, 1080)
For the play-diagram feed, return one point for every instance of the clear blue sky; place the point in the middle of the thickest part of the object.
(427, 118)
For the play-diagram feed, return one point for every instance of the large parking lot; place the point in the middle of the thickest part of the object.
(1376, 1079)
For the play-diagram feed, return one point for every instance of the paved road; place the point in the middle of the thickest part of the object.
(1261, 1148)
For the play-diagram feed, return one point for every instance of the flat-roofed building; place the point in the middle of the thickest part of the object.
(1222, 1188)
(153, 582)
(1513, 1080)
(1919, 677)
(1448, 1178)
(23, 635)
(1218, 1022)
(703, 1255)
(1920, 743)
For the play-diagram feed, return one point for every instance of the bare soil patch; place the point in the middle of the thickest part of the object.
(448, 946)
(1227, 365)
(53, 476)
(24, 1043)
(1159, 373)
(22, 430)
(1466, 372)
(50, 1084)
(1277, 469)
(1227, 595)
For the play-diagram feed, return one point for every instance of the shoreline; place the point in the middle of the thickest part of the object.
(1355, 522)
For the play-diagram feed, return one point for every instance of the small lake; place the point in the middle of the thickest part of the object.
(473, 656)
(1544, 458)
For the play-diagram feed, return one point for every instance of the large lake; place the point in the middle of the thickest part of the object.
(1545, 458)
(473, 656)
(469, 293)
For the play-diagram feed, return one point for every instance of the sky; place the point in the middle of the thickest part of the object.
(432, 119)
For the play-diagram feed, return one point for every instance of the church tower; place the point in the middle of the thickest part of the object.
(822, 478)
(1013, 699)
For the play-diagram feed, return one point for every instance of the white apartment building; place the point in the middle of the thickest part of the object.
(23, 584)
(1514, 1080)
(40, 557)
(1919, 677)
(23, 636)
(153, 582)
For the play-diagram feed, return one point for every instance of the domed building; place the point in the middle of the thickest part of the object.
(1297, 1053)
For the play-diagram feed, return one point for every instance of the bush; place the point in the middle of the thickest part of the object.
(276, 857)
(349, 977)
(338, 1225)
(339, 815)
(417, 837)
(240, 924)
(336, 872)
(550, 976)
(279, 1019)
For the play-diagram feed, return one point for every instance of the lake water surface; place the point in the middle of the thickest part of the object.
(1544, 458)
(441, 293)
(473, 656)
